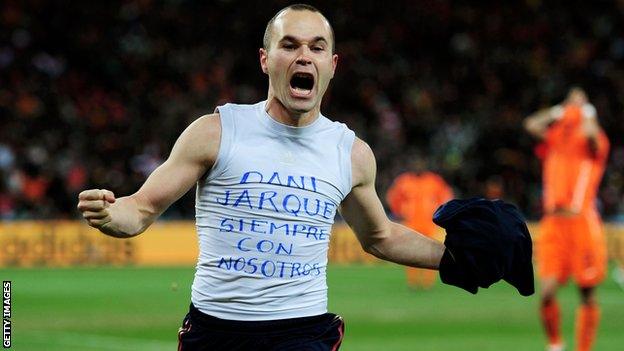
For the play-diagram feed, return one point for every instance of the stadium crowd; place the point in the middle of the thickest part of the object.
(93, 94)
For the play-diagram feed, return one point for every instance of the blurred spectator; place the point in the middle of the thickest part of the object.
(93, 94)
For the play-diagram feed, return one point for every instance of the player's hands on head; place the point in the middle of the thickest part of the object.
(94, 205)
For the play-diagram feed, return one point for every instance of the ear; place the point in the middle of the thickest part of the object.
(334, 64)
(263, 60)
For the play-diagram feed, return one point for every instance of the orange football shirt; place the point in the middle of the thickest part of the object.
(415, 197)
(572, 173)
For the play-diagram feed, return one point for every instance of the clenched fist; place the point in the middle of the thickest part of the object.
(94, 204)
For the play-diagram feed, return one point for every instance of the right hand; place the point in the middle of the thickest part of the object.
(94, 205)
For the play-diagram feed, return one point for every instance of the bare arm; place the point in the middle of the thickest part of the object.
(192, 156)
(378, 235)
(537, 124)
(591, 130)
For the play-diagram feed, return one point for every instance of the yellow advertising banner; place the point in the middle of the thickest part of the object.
(69, 243)
(166, 243)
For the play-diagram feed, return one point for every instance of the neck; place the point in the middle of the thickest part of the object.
(280, 113)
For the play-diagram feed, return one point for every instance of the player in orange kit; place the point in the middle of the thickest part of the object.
(571, 241)
(414, 196)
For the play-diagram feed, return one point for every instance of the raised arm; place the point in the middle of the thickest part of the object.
(537, 124)
(192, 156)
(378, 235)
(591, 128)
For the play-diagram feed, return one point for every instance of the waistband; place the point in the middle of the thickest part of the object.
(258, 326)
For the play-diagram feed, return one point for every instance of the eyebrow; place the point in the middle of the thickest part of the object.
(293, 39)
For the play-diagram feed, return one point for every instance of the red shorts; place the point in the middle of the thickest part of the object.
(572, 246)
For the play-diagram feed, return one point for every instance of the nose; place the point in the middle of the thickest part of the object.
(304, 58)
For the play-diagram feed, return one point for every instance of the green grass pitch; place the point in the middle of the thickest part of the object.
(141, 308)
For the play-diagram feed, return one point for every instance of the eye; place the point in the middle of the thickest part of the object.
(289, 46)
(318, 48)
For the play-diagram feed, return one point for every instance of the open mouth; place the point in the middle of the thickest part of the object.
(302, 83)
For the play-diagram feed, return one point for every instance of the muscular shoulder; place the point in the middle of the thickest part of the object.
(200, 140)
(207, 126)
(363, 164)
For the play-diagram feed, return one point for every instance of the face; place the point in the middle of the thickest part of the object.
(577, 96)
(299, 60)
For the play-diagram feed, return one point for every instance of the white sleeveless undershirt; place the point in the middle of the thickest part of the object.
(264, 214)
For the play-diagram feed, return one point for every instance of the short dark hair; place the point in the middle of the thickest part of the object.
(268, 32)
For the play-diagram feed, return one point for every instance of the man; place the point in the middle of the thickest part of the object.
(414, 196)
(270, 178)
(571, 241)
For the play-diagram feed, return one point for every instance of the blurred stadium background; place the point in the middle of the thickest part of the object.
(94, 94)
